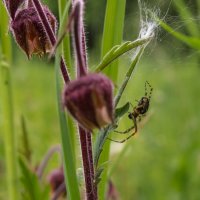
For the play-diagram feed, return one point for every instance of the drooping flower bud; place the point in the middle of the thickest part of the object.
(56, 180)
(89, 99)
(29, 32)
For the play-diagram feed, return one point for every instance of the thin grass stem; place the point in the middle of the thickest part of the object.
(7, 107)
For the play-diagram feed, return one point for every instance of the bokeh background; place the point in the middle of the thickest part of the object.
(163, 160)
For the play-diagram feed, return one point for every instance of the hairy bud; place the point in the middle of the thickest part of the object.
(89, 99)
(29, 32)
(57, 180)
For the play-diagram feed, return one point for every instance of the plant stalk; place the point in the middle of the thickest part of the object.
(7, 107)
(85, 136)
(112, 35)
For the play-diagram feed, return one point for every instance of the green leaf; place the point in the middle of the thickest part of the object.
(186, 14)
(190, 41)
(7, 114)
(119, 50)
(98, 174)
(119, 112)
(67, 141)
(112, 35)
(66, 126)
(33, 190)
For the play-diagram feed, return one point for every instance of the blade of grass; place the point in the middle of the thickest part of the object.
(113, 31)
(112, 35)
(63, 6)
(198, 8)
(7, 107)
(190, 41)
(68, 154)
(185, 14)
(119, 50)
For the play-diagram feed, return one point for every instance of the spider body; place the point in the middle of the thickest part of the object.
(138, 111)
(141, 108)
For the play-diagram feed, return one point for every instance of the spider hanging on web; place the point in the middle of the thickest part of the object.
(138, 111)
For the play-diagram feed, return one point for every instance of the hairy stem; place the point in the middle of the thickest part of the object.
(85, 136)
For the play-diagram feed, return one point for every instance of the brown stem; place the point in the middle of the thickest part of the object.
(85, 136)
(86, 149)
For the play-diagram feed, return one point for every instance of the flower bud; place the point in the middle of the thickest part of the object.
(29, 32)
(89, 99)
(56, 179)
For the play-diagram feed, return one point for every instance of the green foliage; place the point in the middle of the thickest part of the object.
(193, 42)
(119, 112)
(32, 188)
(68, 151)
(6, 107)
(119, 50)
(186, 14)
(191, 38)
(112, 35)
(162, 162)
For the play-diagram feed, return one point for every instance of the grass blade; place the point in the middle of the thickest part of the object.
(112, 35)
(190, 41)
(7, 107)
(119, 50)
(67, 147)
(185, 14)
(63, 16)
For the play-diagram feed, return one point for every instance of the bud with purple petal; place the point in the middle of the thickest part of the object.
(29, 32)
(28, 29)
(89, 99)
(56, 180)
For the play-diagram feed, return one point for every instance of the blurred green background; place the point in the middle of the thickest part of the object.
(163, 160)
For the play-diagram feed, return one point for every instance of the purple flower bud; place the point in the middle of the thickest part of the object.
(89, 99)
(56, 180)
(29, 32)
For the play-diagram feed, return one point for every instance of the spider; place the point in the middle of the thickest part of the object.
(138, 111)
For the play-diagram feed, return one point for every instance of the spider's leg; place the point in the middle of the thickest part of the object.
(124, 140)
(135, 124)
(126, 131)
(151, 89)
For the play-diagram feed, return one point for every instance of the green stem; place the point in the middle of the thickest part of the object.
(129, 73)
(7, 108)
(67, 147)
(187, 16)
(112, 35)
(63, 6)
